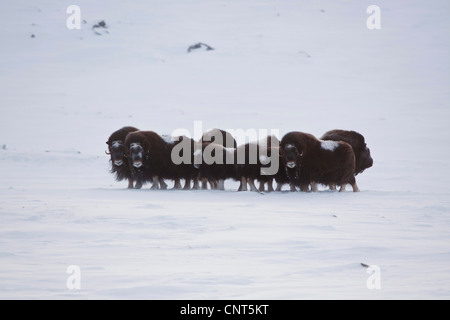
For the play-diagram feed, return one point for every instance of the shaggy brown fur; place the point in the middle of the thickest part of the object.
(225, 139)
(150, 158)
(213, 163)
(258, 158)
(210, 136)
(116, 150)
(309, 161)
(358, 143)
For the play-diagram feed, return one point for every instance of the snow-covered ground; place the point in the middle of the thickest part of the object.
(288, 65)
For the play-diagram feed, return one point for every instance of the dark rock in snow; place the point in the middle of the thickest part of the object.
(200, 45)
(364, 265)
(100, 25)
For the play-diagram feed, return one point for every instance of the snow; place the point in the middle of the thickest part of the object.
(308, 66)
(116, 144)
(329, 145)
(263, 159)
(169, 139)
(198, 153)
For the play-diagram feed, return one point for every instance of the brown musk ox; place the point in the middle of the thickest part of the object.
(218, 137)
(150, 159)
(116, 150)
(281, 177)
(257, 161)
(357, 141)
(215, 164)
(182, 155)
(309, 161)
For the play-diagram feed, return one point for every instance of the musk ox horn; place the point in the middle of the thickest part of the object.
(108, 153)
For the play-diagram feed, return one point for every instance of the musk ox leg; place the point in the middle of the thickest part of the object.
(293, 189)
(279, 186)
(314, 187)
(333, 186)
(162, 184)
(251, 183)
(196, 185)
(213, 184)
(177, 184)
(342, 189)
(155, 185)
(304, 187)
(221, 184)
(204, 184)
(138, 184)
(270, 185)
(130, 183)
(187, 184)
(261, 186)
(243, 185)
(354, 185)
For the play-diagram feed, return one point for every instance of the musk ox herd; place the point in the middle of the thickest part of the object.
(299, 160)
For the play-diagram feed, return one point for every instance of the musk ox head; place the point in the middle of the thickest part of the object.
(117, 151)
(358, 143)
(363, 161)
(136, 155)
(291, 156)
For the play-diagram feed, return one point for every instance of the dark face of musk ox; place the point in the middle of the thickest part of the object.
(365, 161)
(136, 155)
(117, 152)
(291, 156)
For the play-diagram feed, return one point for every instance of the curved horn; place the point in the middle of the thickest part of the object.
(108, 153)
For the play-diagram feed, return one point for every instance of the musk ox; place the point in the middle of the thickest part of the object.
(308, 160)
(215, 164)
(150, 159)
(218, 137)
(182, 155)
(281, 177)
(116, 150)
(356, 140)
(258, 161)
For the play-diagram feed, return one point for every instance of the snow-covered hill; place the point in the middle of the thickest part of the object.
(286, 65)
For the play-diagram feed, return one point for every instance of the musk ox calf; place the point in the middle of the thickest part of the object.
(308, 160)
(356, 140)
(117, 151)
(150, 159)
